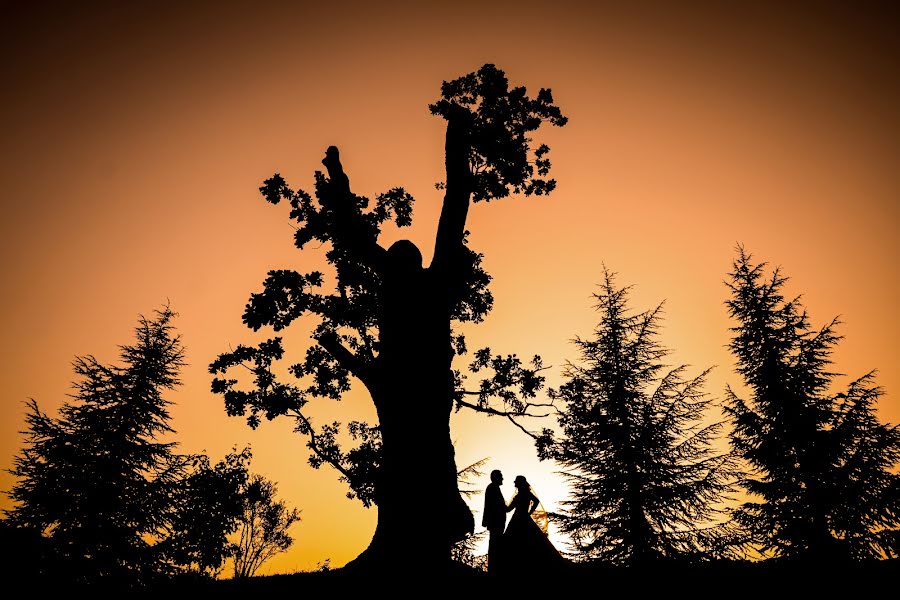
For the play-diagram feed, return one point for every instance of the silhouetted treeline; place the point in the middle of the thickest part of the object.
(637, 441)
(99, 496)
(817, 467)
(99, 499)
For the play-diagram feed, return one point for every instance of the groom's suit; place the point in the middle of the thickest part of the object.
(494, 519)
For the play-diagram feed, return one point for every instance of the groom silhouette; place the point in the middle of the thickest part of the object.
(494, 518)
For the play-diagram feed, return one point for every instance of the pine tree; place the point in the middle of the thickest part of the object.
(96, 480)
(645, 480)
(822, 486)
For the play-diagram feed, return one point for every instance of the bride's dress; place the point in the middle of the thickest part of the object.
(525, 545)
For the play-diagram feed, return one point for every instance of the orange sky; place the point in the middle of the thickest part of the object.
(135, 138)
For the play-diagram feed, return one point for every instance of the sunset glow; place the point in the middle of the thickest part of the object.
(136, 138)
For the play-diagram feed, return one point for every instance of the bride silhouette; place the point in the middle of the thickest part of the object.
(525, 544)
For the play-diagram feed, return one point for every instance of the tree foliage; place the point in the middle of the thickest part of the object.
(209, 504)
(644, 478)
(501, 120)
(263, 526)
(112, 503)
(822, 484)
(498, 157)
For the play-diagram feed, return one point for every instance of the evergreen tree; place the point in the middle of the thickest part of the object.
(645, 480)
(822, 485)
(97, 481)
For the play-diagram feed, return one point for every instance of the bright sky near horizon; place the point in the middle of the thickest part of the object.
(135, 136)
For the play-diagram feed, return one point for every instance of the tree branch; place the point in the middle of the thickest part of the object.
(357, 367)
(455, 210)
(313, 445)
(511, 415)
(372, 253)
(528, 404)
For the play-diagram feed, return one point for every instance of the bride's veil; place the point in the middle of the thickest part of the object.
(540, 516)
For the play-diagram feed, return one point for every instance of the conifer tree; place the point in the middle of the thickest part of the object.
(822, 485)
(97, 481)
(645, 480)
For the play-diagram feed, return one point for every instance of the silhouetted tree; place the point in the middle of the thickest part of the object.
(263, 526)
(29, 558)
(97, 481)
(388, 321)
(822, 482)
(645, 481)
(209, 507)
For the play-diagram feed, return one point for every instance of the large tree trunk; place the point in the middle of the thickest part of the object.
(421, 513)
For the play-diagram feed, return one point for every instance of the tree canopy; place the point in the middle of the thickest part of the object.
(493, 158)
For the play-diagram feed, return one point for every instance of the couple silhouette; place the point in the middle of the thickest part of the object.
(523, 544)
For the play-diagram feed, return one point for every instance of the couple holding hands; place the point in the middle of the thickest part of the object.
(523, 544)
